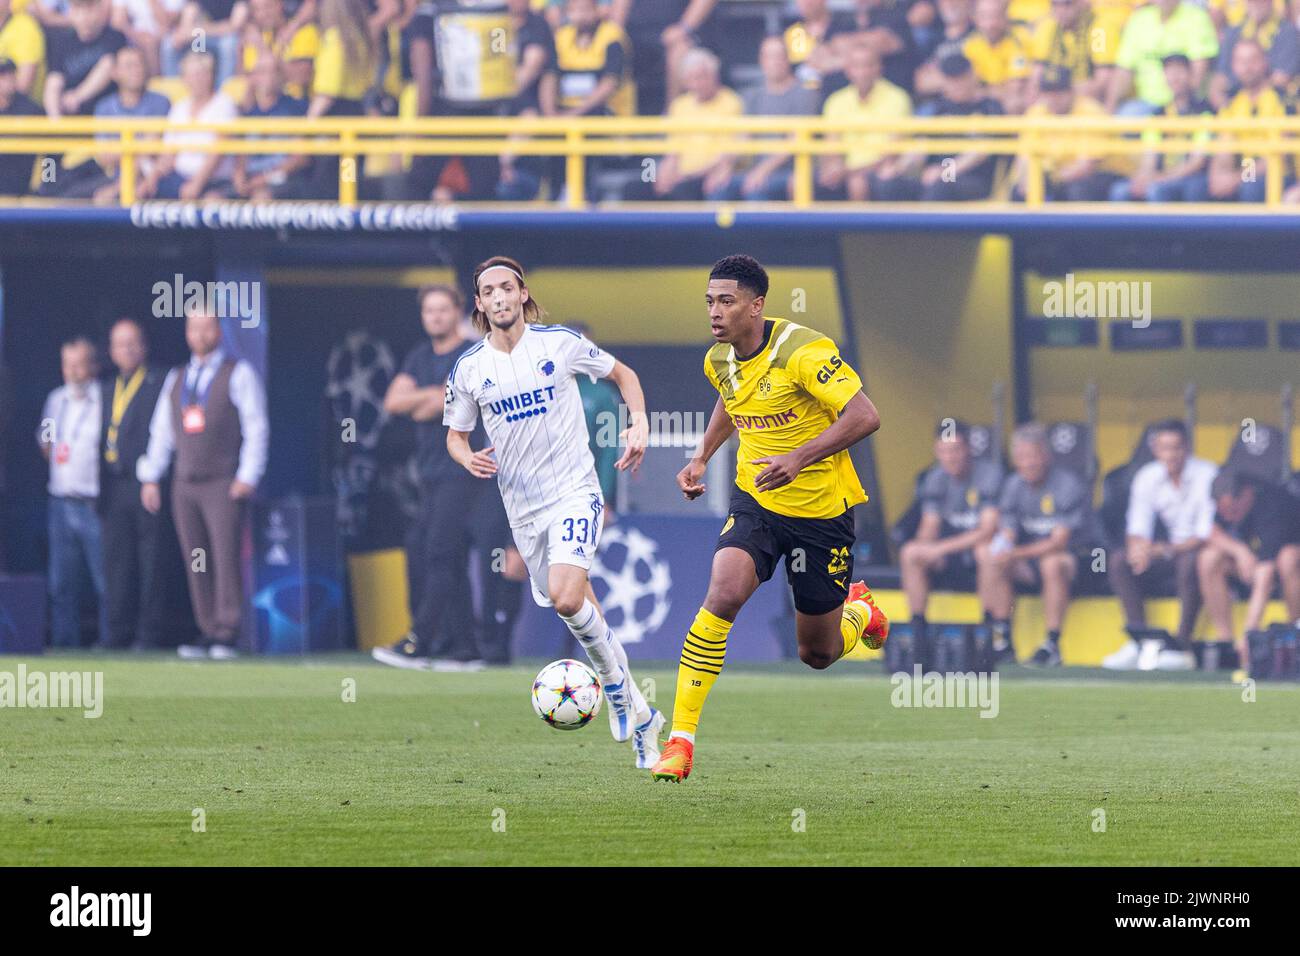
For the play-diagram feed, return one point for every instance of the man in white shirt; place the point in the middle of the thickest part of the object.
(69, 440)
(211, 417)
(1175, 488)
(193, 175)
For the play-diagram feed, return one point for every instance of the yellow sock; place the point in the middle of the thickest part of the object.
(701, 663)
(852, 623)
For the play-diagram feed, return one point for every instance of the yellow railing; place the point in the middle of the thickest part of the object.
(1036, 139)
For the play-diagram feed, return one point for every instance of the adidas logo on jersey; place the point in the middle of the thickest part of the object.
(488, 383)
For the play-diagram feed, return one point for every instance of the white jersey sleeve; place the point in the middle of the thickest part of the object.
(460, 409)
(585, 357)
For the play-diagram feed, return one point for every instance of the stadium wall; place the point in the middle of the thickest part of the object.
(933, 307)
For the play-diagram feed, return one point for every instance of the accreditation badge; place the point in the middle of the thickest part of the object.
(193, 420)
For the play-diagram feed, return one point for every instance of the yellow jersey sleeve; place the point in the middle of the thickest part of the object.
(304, 45)
(708, 368)
(824, 375)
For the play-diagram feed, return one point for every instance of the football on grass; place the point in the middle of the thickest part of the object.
(566, 694)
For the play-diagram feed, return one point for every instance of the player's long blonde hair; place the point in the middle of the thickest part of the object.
(533, 312)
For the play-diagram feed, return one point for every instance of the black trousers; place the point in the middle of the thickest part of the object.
(501, 596)
(130, 544)
(442, 603)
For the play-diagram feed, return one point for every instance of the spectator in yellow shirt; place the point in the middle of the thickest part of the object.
(269, 32)
(1074, 37)
(867, 97)
(1242, 177)
(699, 171)
(1230, 13)
(345, 70)
(1077, 179)
(1274, 33)
(999, 53)
(23, 42)
(809, 42)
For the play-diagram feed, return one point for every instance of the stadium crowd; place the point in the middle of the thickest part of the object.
(1180, 525)
(866, 59)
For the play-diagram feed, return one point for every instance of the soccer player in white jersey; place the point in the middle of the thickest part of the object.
(520, 379)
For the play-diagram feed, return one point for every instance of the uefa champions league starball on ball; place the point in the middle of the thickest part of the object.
(566, 694)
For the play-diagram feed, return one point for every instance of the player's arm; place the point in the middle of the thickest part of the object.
(478, 463)
(928, 530)
(984, 531)
(1057, 540)
(405, 397)
(716, 433)
(857, 420)
(637, 434)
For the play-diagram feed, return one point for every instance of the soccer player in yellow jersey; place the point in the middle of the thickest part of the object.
(798, 406)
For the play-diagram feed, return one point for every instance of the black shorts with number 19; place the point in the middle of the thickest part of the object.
(818, 552)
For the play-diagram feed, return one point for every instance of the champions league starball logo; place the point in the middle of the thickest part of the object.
(1064, 439)
(636, 581)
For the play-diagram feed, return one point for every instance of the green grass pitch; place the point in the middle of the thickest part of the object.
(793, 767)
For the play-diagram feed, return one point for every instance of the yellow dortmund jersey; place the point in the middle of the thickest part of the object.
(781, 398)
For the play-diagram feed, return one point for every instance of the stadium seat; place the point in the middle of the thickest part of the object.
(1262, 457)
(1115, 487)
(1072, 449)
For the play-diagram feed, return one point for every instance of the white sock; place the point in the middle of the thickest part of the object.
(596, 639)
(639, 704)
(683, 734)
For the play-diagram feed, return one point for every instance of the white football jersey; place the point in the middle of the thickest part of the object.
(532, 413)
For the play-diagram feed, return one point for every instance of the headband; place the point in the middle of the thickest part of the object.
(501, 266)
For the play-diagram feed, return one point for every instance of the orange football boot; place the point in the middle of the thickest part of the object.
(877, 631)
(675, 761)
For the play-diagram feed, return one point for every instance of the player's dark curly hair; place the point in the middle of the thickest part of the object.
(745, 270)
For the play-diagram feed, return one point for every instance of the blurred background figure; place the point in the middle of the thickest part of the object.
(130, 532)
(1042, 515)
(438, 548)
(210, 429)
(1173, 490)
(68, 436)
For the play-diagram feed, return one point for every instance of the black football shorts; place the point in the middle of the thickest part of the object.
(818, 552)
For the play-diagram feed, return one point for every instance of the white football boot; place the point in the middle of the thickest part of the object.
(645, 741)
(622, 708)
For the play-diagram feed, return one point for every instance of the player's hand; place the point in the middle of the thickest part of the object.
(688, 479)
(635, 438)
(151, 497)
(780, 471)
(481, 464)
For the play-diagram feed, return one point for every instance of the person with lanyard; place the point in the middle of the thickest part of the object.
(211, 418)
(69, 439)
(130, 533)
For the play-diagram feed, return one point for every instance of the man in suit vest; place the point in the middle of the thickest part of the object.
(211, 417)
(130, 533)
